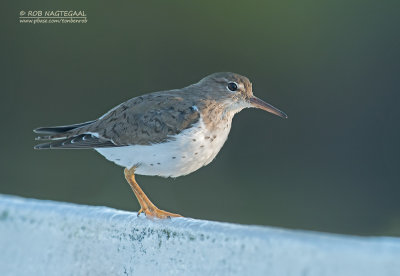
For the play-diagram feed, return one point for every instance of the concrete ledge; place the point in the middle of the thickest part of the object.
(52, 238)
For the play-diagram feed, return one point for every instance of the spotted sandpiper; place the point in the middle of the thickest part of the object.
(168, 133)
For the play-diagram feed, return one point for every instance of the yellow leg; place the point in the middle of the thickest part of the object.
(146, 206)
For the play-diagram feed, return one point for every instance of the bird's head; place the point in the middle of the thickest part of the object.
(237, 91)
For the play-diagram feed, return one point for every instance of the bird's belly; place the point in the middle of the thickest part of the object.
(184, 153)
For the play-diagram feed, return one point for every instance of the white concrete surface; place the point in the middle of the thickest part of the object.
(52, 238)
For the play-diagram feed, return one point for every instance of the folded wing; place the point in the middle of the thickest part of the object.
(149, 119)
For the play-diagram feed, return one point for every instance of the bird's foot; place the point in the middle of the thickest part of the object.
(154, 212)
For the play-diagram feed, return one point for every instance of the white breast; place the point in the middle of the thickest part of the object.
(184, 153)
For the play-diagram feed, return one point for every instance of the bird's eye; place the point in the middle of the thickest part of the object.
(232, 86)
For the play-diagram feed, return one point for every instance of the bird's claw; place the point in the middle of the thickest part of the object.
(157, 213)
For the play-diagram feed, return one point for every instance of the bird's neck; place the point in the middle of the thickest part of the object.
(218, 114)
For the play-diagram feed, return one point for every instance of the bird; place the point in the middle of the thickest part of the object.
(168, 133)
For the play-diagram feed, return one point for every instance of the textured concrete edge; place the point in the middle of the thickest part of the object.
(39, 237)
(125, 218)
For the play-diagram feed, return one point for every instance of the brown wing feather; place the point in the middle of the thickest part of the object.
(145, 120)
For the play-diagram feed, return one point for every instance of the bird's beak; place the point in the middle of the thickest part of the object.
(258, 103)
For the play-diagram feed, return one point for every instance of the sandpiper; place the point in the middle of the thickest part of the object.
(168, 133)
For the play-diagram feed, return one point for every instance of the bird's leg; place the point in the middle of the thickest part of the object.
(146, 206)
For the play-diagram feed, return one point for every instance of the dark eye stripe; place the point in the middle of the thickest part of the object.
(232, 86)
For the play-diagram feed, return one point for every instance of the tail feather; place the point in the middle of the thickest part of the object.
(82, 141)
(59, 129)
(51, 137)
(63, 137)
(43, 146)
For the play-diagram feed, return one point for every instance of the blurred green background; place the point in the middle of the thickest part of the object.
(332, 66)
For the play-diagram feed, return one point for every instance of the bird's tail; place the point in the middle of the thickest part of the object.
(56, 133)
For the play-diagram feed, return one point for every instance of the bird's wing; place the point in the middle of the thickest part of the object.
(149, 119)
